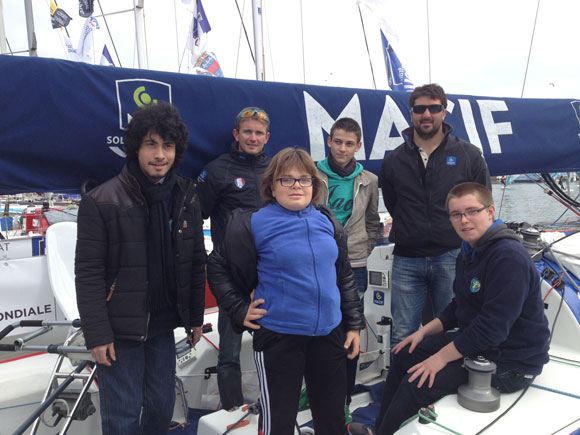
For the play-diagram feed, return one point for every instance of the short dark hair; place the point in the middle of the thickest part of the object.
(432, 90)
(291, 157)
(349, 125)
(482, 193)
(161, 118)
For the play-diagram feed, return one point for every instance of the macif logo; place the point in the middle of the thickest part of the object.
(131, 95)
(576, 107)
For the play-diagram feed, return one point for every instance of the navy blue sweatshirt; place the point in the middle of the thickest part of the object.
(498, 305)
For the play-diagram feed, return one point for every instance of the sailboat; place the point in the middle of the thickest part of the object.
(80, 138)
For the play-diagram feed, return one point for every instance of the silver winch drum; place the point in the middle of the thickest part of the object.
(478, 395)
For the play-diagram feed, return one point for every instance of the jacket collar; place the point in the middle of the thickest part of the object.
(408, 135)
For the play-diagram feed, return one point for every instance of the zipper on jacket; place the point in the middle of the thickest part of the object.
(316, 276)
(353, 198)
(111, 290)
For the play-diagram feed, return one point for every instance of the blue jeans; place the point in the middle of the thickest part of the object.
(229, 372)
(413, 278)
(361, 279)
(137, 392)
(402, 399)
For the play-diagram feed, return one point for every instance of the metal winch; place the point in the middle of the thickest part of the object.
(478, 395)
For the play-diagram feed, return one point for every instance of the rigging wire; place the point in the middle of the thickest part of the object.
(367, 45)
(271, 56)
(246, 32)
(240, 38)
(109, 32)
(530, 51)
(428, 39)
(176, 35)
(302, 35)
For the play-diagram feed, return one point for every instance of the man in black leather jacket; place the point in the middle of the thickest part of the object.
(139, 271)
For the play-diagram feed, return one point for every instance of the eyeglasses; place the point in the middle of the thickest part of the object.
(469, 214)
(433, 108)
(290, 181)
(251, 113)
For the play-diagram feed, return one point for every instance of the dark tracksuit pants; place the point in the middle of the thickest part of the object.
(282, 361)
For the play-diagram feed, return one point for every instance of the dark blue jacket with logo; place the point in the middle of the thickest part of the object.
(497, 305)
(231, 181)
(415, 196)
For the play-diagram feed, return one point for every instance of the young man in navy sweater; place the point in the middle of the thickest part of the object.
(497, 308)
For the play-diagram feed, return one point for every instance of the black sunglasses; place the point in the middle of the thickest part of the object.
(433, 108)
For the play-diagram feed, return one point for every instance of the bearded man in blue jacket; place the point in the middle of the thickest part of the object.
(497, 308)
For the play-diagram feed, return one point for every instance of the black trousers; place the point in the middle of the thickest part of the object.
(282, 361)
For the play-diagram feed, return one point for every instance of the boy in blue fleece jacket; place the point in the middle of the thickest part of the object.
(497, 309)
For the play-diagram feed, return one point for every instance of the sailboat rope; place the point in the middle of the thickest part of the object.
(530, 51)
(367, 45)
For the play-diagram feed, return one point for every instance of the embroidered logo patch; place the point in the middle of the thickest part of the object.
(475, 285)
(240, 182)
(378, 298)
(202, 176)
(451, 160)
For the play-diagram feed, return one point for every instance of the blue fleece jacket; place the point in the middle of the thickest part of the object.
(497, 305)
(296, 270)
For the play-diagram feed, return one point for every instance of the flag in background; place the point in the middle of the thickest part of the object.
(86, 8)
(106, 58)
(58, 17)
(396, 73)
(397, 76)
(203, 61)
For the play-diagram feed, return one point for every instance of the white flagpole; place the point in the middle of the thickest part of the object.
(3, 46)
(30, 28)
(258, 38)
(138, 6)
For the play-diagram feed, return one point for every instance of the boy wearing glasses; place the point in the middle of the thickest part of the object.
(229, 182)
(497, 308)
(415, 179)
(353, 195)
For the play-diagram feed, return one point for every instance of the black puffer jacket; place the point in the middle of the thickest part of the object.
(232, 271)
(231, 181)
(111, 260)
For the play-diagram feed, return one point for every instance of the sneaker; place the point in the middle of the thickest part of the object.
(359, 429)
(347, 416)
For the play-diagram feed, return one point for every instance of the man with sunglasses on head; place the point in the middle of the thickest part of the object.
(229, 182)
(415, 178)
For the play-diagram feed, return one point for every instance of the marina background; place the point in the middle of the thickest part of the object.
(527, 202)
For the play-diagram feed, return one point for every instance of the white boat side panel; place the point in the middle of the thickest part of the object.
(61, 241)
(25, 291)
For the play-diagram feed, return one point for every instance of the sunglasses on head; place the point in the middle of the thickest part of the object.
(433, 108)
(253, 113)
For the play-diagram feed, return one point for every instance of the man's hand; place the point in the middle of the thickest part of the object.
(194, 336)
(427, 369)
(104, 354)
(353, 343)
(254, 313)
(414, 339)
(434, 364)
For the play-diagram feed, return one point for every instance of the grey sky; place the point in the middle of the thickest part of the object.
(476, 48)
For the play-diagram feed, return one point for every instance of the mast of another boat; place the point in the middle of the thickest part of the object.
(3, 46)
(139, 32)
(30, 28)
(258, 39)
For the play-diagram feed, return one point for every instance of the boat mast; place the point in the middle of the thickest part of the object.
(258, 38)
(138, 6)
(3, 46)
(30, 28)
